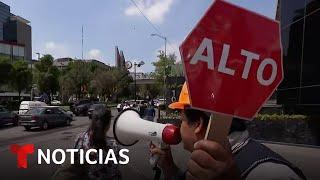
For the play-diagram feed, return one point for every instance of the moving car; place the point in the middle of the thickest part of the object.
(7, 117)
(44, 117)
(81, 107)
(28, 105)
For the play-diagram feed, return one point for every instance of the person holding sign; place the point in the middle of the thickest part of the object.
(240, 158)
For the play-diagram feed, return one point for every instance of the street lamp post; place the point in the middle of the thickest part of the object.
(165, 65)
(135, 78)
(165, 42)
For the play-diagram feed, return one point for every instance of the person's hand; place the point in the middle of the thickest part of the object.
(165, 160)
(210, 160)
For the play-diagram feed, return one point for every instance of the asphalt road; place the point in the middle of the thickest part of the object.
(308, 159)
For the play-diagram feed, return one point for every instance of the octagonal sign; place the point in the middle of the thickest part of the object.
(232, 60)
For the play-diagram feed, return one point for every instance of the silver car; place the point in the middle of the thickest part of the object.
(45, 117)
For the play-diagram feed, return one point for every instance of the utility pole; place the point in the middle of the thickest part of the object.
(165, 63)
(82, 42)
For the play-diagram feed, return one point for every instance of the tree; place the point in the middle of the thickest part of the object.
(47, 75)
(177, 69)
(45, 63)
(121, 82)
(102, 83)
(5, 70)
(162, 68)
(21, 77)
(150, 90)
(80, 76)
(67, 87)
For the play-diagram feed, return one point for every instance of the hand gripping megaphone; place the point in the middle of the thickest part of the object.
(129, 128)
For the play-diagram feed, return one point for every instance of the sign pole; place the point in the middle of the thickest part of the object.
(218, 128)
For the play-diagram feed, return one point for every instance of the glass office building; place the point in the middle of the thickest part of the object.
(4, 17)
(15, 36)
(300, 33)
(12, 52)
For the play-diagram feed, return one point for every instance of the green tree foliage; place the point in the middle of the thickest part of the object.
(163, 66)
(83, 79)
(45, 63)
(149, 90)
(21, 76)
(76, 80)
(101, 83)
(121, 81)
(177, 70)
(47, 75)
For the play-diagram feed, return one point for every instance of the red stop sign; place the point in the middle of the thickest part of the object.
(232, 61)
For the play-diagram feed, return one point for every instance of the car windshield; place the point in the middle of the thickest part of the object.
(35, 111)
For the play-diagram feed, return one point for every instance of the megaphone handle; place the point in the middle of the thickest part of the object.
(155, 158)
(157, 175)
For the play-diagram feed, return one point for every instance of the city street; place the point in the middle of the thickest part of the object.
(138, 168)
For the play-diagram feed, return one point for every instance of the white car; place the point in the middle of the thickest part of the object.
(55, 102)
(28, 105)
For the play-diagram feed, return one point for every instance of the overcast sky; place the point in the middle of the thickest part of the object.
(56, 25)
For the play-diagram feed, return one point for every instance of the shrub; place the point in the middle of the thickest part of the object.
(277, 117)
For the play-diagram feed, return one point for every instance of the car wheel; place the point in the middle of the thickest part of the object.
(44, 125)
(27, 128)
(68, 122)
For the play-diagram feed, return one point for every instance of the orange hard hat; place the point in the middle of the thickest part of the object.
(183, 99)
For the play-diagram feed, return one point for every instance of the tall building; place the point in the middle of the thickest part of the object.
(15, 35)
(300, 27)
(15, 44)
(18, 30)
(4, 16)
(122, 59)
(119, 58)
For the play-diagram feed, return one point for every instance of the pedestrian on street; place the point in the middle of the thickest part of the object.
(93, 138)
(149, 113)
(241, 158)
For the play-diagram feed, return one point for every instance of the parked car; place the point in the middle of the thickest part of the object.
(141, 102)
(7, 117)
(44, 117)
(96, 106)
(82, 109)
(55, 102)
(28, 105)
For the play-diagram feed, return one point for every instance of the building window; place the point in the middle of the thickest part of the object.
(5, 49)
